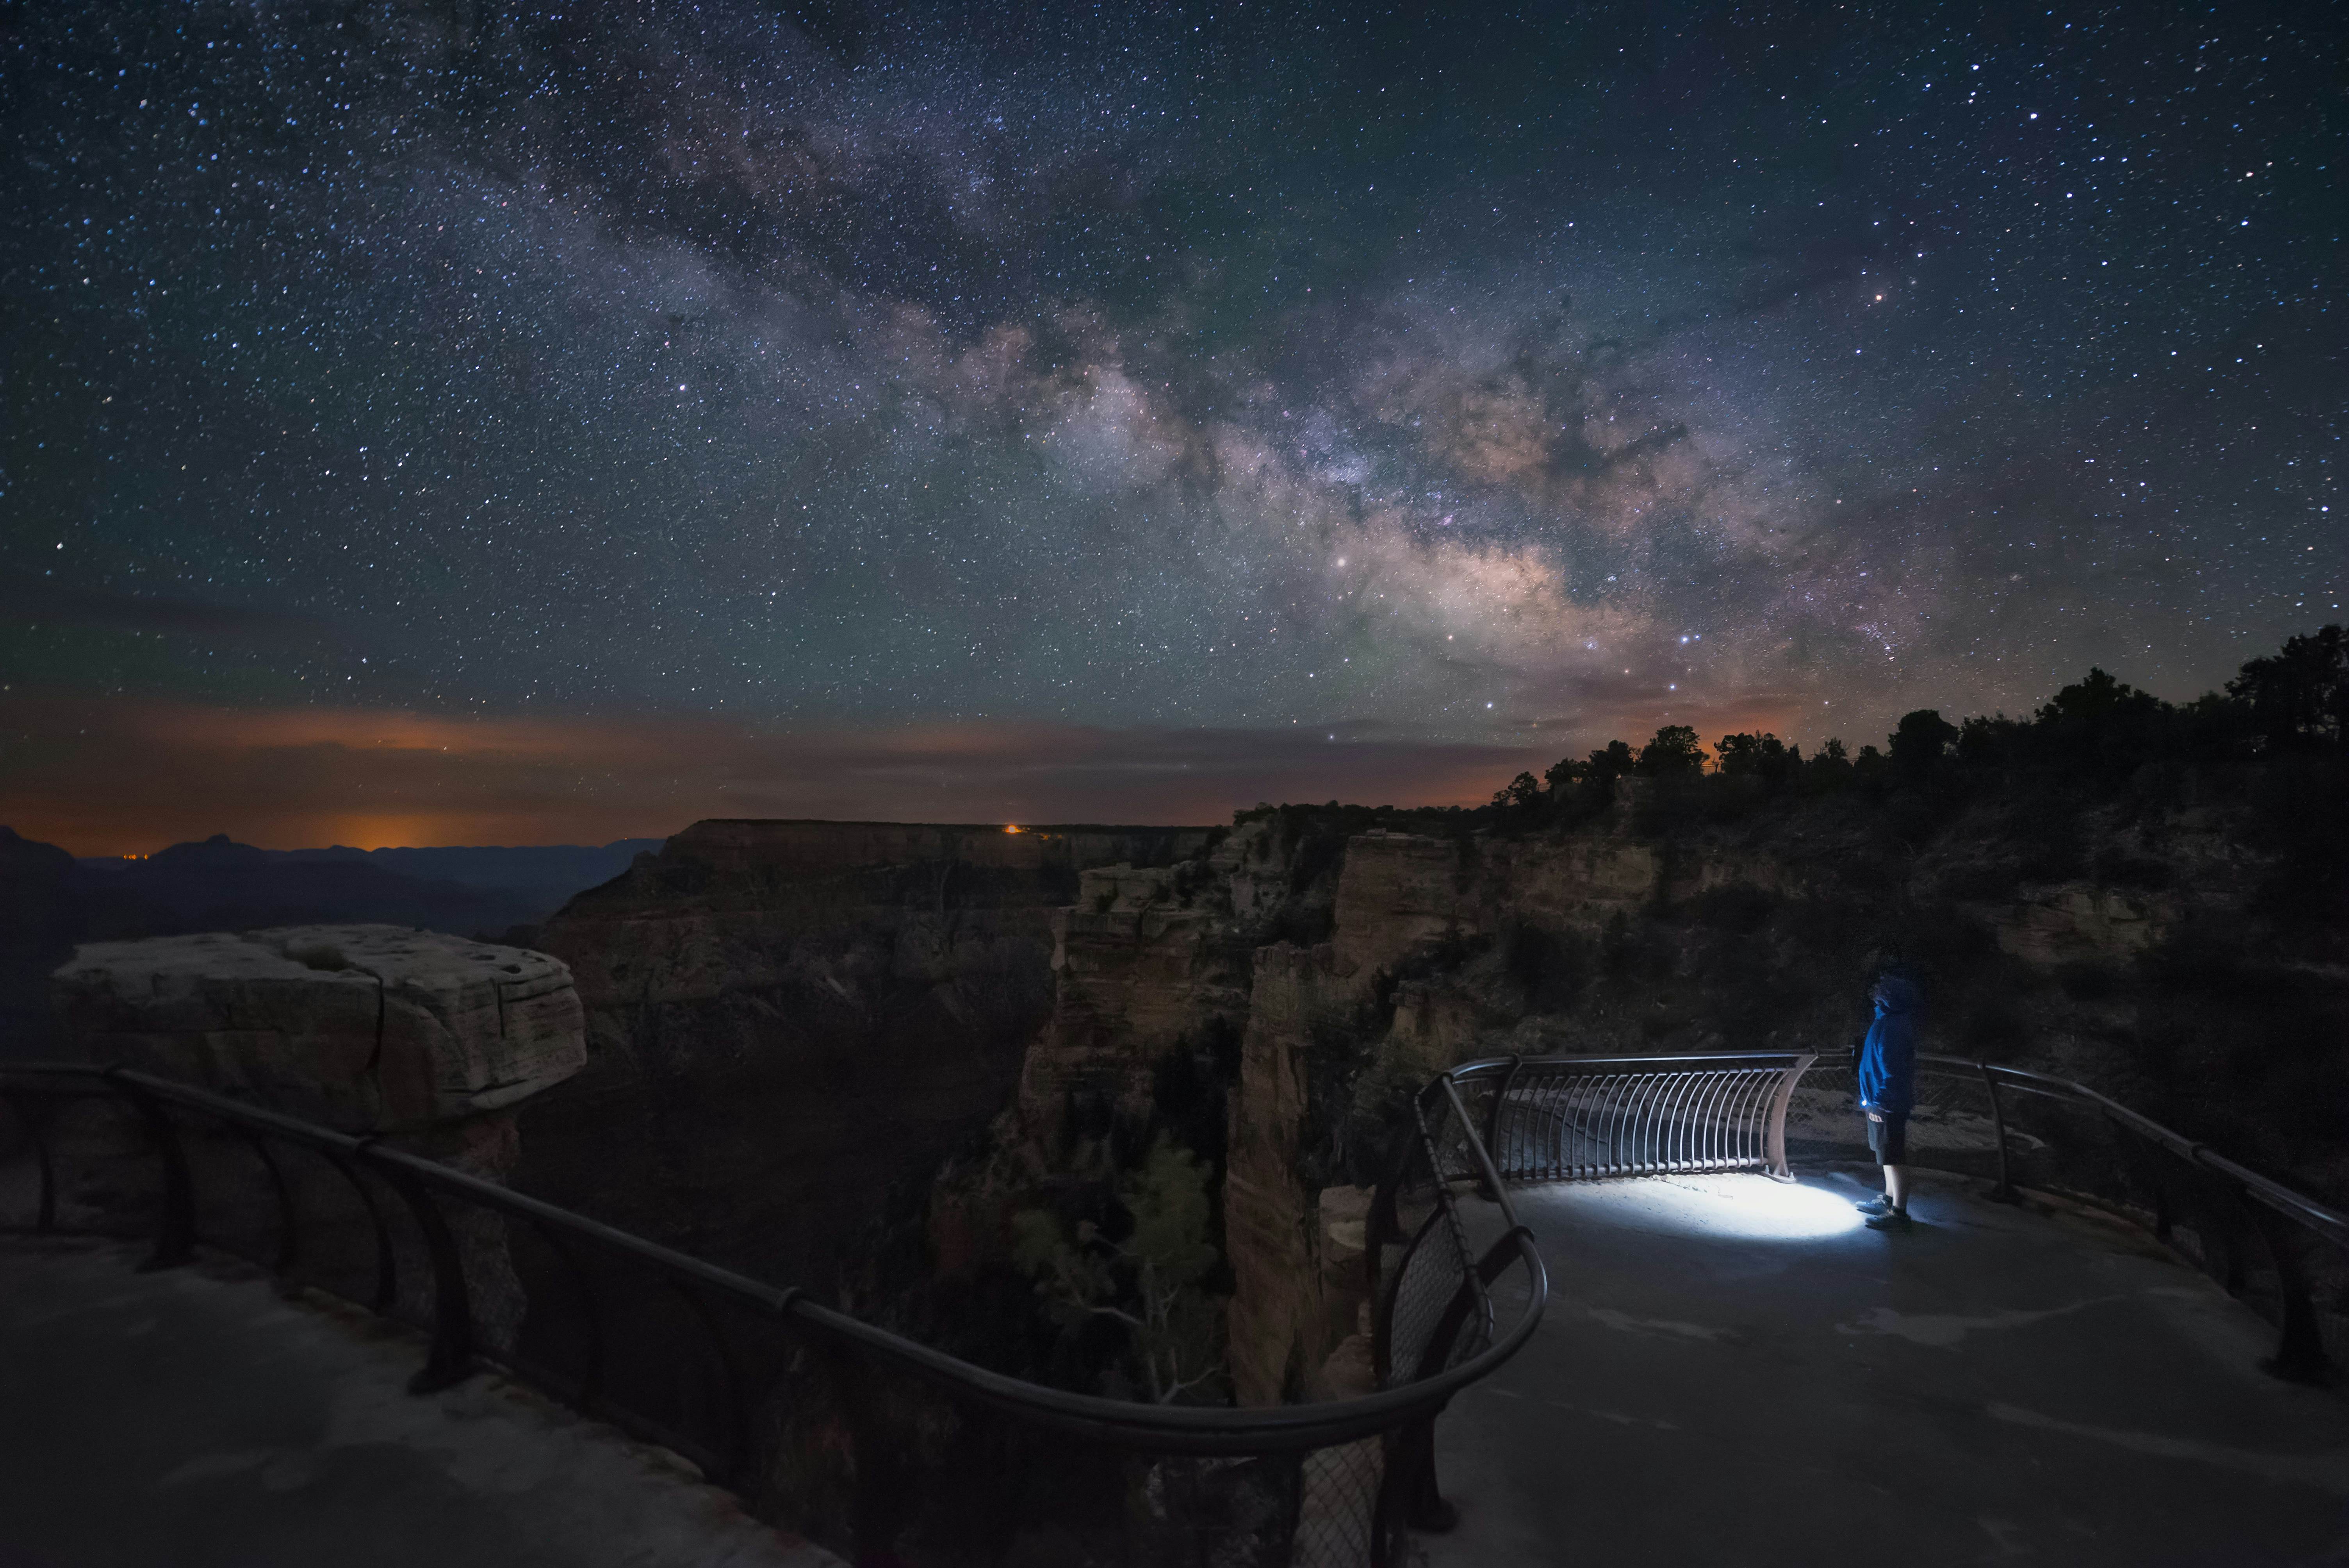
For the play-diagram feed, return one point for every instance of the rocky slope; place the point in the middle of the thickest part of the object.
(792, 1023)
(807, 1035)
(1348, 957)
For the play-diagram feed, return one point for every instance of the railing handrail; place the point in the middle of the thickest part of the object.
(1487, 1066)
(1181, 1428)
(2325, 1221)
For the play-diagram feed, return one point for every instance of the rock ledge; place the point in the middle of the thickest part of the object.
(369, 1028)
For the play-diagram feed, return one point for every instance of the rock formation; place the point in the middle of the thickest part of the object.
(371, 1028)
(427, 1038)
(791, 1026)
(1349, 970)
(889, 1062)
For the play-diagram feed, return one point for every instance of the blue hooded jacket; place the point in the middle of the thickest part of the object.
(1887, 1058)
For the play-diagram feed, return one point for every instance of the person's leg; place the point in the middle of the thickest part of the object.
(1896, 1160)
(1890, 1140)
(1874, 1124)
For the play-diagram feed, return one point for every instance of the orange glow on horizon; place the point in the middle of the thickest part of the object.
(128, 779)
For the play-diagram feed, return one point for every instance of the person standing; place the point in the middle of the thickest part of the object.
(1887, 1092)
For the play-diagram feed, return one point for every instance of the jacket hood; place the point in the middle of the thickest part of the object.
(1895, 994)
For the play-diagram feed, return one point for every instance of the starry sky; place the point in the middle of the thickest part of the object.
(462, 422)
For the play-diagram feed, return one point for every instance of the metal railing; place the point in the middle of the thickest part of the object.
(1556, 1119)
(1348, 1475)
(1548, 1119)
(2267, 1245)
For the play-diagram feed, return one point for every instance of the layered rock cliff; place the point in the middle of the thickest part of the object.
(372, 1028)
(792, 1023)
(426, 1040)
(1350, 957)
(963, 1077)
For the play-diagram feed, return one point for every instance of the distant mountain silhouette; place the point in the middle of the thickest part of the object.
(41, 918)
(50, 902)
(547, 873)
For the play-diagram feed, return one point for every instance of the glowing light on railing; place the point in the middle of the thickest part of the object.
(1013, 827)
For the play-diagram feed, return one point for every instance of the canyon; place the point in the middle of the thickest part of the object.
(976, 1084)
(855, 1055)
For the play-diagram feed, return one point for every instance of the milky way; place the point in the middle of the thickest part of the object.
(1505, 381)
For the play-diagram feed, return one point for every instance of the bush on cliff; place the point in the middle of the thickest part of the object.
(1151, 1282)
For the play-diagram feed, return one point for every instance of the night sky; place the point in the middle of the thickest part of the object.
(433, 423)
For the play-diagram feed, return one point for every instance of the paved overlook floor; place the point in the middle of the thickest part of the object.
(1731, 1371)
(192, 1419)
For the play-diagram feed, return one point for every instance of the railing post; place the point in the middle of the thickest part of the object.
(1493, 1116)
(1773, 1133)
(287, 1225)
(591, 1377)
(175, 1237)
(449, 1361)
(738, 1417)
(1418, 1502)
(2300, 1348)
(37, 1128)
(386, 1264)
(2004, 1192)
(2233, 1222)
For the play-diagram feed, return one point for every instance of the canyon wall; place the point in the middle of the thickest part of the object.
(940, 1073)
(428, 1041)
(791, 1024)
(1350, 973)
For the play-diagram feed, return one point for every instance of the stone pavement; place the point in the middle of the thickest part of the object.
(1734, 1371)
(191, 1417)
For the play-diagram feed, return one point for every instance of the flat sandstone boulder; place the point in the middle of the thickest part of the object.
(369, 1028)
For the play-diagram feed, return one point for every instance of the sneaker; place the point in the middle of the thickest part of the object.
(1890, 1219)
(1879, 1204)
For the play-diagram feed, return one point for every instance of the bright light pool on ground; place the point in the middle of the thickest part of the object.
(1739, 1206)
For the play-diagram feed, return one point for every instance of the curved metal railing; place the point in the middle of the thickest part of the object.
(1547, 1118)
(1361, 1465)
(1553, 1118)
(1445, 1312)
(2274, 1248)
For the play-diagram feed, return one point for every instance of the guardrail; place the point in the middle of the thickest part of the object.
(1352, 1474)
(2162, 1176)
(1580, 1117)
(1556, 1118)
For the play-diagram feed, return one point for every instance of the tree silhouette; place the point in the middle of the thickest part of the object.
(1673, 753)
(2298, 699)
(1920, 744)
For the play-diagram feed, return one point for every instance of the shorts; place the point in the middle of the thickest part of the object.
(1889, 1139)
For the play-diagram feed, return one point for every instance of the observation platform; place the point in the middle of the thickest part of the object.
(1734, 1370)
(194, 1416)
